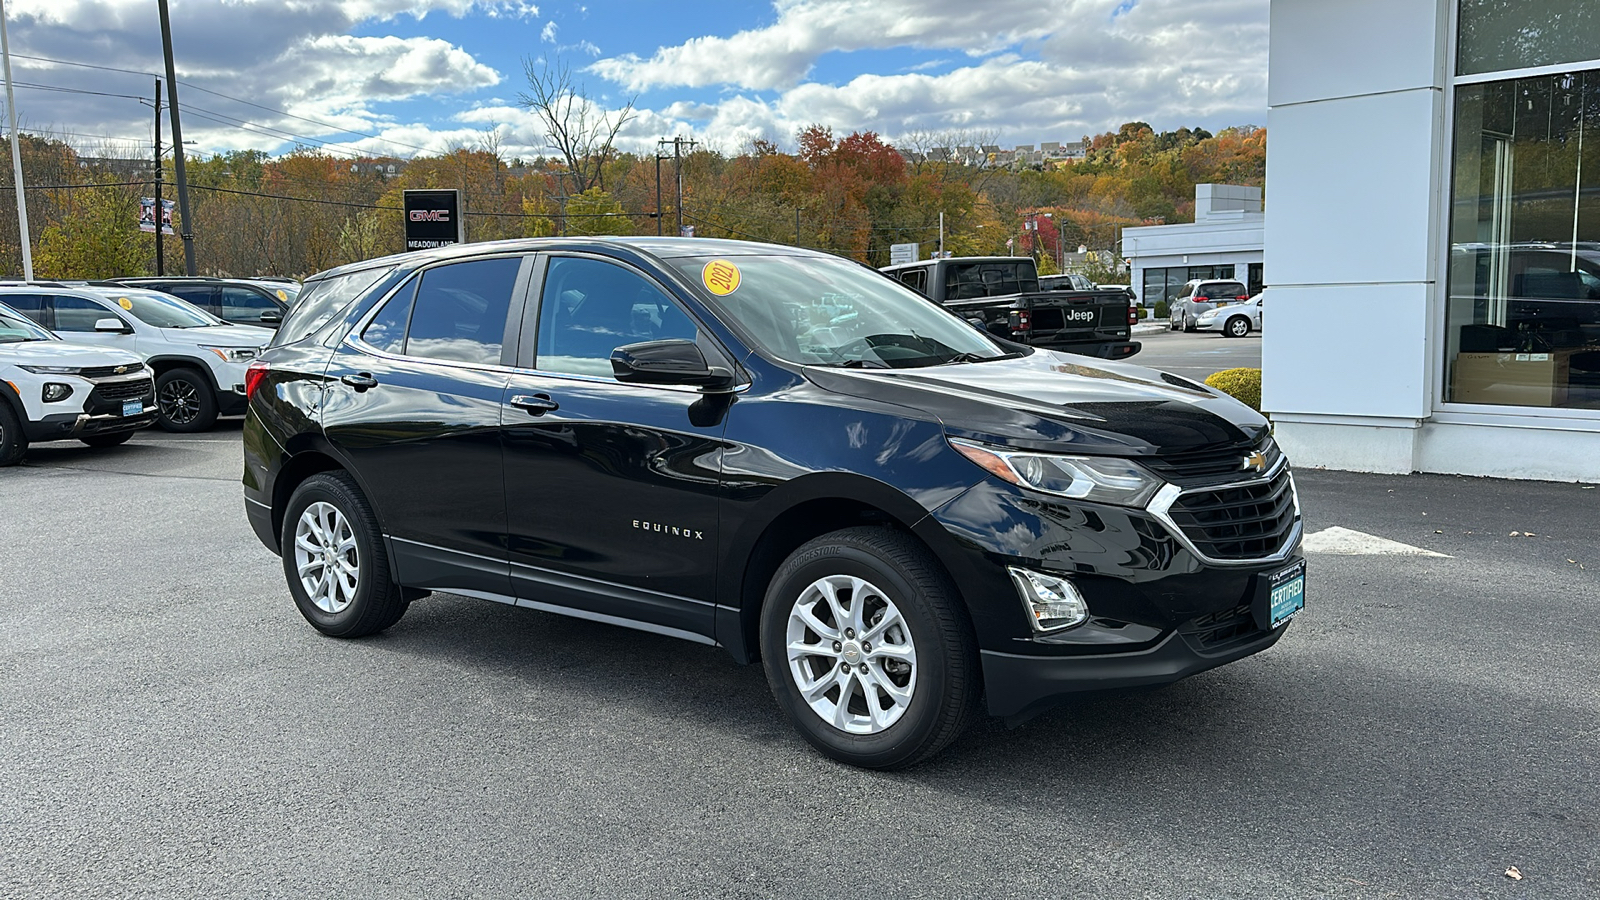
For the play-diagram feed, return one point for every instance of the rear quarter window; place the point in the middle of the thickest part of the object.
(322, 300)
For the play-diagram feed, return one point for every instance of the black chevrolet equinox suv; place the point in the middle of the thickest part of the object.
(774, 451)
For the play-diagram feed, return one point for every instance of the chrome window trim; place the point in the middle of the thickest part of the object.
(1160, 506)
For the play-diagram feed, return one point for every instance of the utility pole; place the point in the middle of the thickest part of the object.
(16, 151)
(941, 234)
(797, 225)
(161, 263)
(658, 188)
(677, 165)
(177, 144)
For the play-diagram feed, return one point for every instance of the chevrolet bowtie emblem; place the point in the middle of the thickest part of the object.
(122, 370)
(1256, 461)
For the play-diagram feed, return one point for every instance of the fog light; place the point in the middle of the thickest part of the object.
(54, 392)
(1052, 603)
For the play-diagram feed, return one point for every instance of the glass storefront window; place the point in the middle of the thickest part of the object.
(1167, 283)
(1523, 313)
(1497, 35)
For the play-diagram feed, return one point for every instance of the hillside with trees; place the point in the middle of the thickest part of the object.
(852, 194)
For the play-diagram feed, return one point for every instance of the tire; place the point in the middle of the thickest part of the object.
(13, 443)
(327, 504)
(1188, 325)
(185, 402)
(106, 440)
(888, 583)
(1238, 326)
(1173, 317)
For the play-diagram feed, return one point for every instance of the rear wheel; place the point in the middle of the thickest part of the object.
(1188, 325)
(334, 559)
(185, 401)
(1238, 326)
(13, 443)
(107, 440)
(867, 650)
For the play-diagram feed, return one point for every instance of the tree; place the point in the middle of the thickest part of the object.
(596, 212)
(98, 238)
(576, 128)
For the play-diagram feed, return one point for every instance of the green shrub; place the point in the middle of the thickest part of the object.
(1160, 313)
(1243, 385)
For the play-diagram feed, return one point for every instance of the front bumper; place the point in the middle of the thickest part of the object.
(1020, 687)
(70, 426)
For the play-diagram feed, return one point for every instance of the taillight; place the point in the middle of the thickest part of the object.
(1024, 321)
(1241, 299)
(1133, 314)
(253, 375)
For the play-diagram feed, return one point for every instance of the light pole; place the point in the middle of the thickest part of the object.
(16, 152)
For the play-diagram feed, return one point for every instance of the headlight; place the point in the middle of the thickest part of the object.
(51, 370)
(1098, 479)
(55, 392)
(235, 354)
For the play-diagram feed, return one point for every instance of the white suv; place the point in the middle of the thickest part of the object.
(199, 360)
(51, 390)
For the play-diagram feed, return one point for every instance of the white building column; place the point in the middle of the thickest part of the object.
(1356, 158)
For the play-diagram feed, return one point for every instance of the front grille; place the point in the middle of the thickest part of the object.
(123, 390)
(1249, 521)
(1218, 628)
(109, 371)
(1210, 465)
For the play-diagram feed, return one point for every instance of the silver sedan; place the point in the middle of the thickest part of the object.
(1232, 319)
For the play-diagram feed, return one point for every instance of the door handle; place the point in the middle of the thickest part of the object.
(360, 381)
(535, 404)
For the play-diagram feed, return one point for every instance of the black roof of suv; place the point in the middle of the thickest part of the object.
(775, 451)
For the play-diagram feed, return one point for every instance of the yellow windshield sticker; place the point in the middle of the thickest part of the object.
(125, 303)
(282, 295)
(721, 277)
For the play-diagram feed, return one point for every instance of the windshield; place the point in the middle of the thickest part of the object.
(161, 310)
(14, 329)
(832, 312)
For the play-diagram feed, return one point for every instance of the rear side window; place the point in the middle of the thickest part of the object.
(322, 300)
(460, 310)
(387, 330)
(1225, 291)
(203, 296)
(916, 279)
(30, 305)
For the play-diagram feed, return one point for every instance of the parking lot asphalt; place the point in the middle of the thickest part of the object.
(171, 727)
(1196, 355)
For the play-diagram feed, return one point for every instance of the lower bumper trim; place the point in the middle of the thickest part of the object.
(1020, 687)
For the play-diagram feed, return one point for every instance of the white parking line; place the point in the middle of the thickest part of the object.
(1338, 541)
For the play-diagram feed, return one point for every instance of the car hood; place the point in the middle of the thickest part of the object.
(1063, 403)
(219, 335)
(64, 353)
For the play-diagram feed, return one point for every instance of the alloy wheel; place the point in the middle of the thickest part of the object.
(851, 654)
(326, 557)
(179, 401)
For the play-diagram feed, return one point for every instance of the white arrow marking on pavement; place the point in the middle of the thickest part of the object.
(1345, 542)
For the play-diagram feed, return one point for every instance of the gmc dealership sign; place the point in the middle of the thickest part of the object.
(433, 219)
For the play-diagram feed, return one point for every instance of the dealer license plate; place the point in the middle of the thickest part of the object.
(1284, 595)
(132, 407)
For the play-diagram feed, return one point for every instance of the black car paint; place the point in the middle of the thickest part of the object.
(663, 508)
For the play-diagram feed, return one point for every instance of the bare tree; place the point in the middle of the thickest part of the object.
(576, 128)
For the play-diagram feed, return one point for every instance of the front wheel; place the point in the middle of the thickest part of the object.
(867, 650)
(1238, 326)
(334, 559)
(185, 401)
(13, 443)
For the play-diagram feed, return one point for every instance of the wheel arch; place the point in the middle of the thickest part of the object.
(795, 513)
(161, 365)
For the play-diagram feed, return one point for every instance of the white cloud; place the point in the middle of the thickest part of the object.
(548, 35)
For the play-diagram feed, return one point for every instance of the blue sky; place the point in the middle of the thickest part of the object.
(398, 77)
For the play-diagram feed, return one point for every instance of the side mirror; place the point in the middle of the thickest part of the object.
(270, 315)
(668, 362)
(111, 326)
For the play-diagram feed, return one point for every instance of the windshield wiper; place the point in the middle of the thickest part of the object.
(859, 364)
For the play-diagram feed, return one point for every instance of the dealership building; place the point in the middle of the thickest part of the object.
(1224, 241)
(1433, 175)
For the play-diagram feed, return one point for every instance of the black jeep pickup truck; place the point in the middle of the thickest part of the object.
(1003, 293)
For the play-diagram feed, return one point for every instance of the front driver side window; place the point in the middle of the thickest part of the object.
(589, 308)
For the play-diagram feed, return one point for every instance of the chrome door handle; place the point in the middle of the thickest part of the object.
(535, 404)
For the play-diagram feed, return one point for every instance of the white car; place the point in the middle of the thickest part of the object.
(1233, 320)
(199, 360)
(51, 390)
